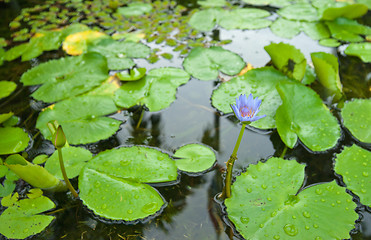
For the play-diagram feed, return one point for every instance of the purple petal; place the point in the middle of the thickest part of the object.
(236, 111)
(257, 118)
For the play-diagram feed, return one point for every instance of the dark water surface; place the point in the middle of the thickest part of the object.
(192, 212)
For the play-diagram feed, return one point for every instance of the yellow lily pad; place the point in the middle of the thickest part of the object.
(75, 44)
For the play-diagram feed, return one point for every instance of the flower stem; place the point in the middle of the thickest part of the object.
(67, 181)
(140, 118)
(283, 152)
(228, 178)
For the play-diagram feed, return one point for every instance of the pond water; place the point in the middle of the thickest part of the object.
(192, 211)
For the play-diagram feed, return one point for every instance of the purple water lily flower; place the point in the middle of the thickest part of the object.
(246, 109)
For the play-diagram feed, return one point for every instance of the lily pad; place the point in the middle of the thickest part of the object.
(350, 11)
(205, 63)
(302, 114)
(157, 90)
(326, 67)
(112, 183)
(329, 42)
(354, 164)
(287, 59)
(77, 43)
(194, 158)
(245, 18)
(5, 116)
(260, 82)
(132, 75)
(23, 219)
(66, 77)
(119, 54)
(6, 88)
(315, 30)
(135, 9)
(286, 28)
(205, 20)
(267, 203)
(299, 11)
(74, 159)
(357, 119)
(348, 30)
(82, 119)
(212, 3)
(361, 50)
(13, 140)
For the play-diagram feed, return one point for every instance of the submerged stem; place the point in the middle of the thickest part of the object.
(228, 178)
(67, 181)
(140, 118)
(283, 152)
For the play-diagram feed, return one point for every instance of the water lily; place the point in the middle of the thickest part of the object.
(246, 109)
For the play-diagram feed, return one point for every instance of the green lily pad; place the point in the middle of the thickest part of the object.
(361, 50)
(5, 116)
(327, 69)
(7, 186)
(275, 3)
(157, 90)
(205, 20)
(205, 63)
(347, 30)
(357, 119)
(66, 77)
(354, 165)
(23, 219)
(286, 28)
(132, 75)
(261, 83)
(112, 183)
(302, 114)
(245, 18)
(299, 11)
(315, 30)
(329, 42)
(119, 54)
(350, 11)
(82, 119)
(13, 140)
(6, 88)
(288, 59)
(194, 158)
(309, 76)
(212, 3)
(74, 159)
(135, 9)
(267, 203)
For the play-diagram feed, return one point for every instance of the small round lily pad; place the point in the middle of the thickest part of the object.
(194, 158)
(13, 140)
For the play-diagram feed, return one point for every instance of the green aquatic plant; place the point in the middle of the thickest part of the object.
(269, 202)
(361, 50)
(6, 88)
(245, 109)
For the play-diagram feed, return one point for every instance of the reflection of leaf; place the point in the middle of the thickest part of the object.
(354, 164)
(205, 63)
(361, 50)
(82, 119)
(287, 59)
(23, 219)
(119, 175)
(6, 88)
(194, 158)
(66, 77)
(302, 114)
(74, 159)
(265, 204)
(260, 82)
(13, 140)
(357, 118)
(326, 67)
(157, 90)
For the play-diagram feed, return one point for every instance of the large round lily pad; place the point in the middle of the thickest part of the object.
(357, 118)
(74, 159)
(194, 158)
(82, 119)
(302, 114)
(112, 183)
(299, 11)
(261, 83)
(354, 164)
(157, 90)
(205, 63)
(13, 140)
(66, 77)
(266, 204)
(23, 219)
